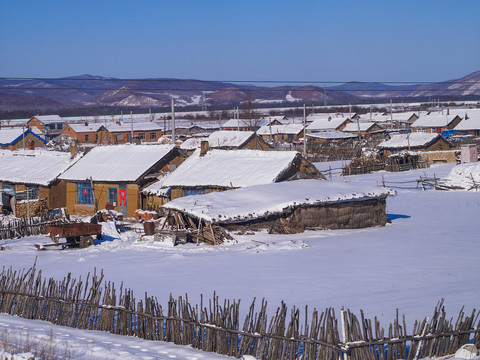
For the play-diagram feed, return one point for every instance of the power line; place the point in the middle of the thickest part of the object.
(242, 81)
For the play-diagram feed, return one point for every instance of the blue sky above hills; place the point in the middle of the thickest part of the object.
(242, 40)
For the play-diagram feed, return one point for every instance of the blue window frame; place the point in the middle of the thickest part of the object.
(193, 191)
(112, 195)
(84, 194)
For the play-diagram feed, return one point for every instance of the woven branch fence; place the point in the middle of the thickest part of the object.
(29, 226)
(216, 326)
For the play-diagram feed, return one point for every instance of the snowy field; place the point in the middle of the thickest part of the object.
(428, 252)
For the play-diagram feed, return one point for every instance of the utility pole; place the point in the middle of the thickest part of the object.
(131, 127)
(304, 130)
(391, 114)
(173, 121)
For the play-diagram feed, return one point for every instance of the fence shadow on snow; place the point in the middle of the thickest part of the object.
(215, 326)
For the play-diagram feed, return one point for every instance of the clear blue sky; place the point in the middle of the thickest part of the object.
(315, 40)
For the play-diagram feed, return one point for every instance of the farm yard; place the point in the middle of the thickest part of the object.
(428, 252)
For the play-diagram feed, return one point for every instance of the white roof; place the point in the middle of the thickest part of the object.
(352, 127)
(39, 167)
(280, 129)
(192, 143)
(137, 126)
(231, 168)
(225, 138)
(433, 121)
(332, 135)
(126, 162)
(472, 123)
(93, 127)
(254, 202)
(244, 123)
(49, 118)
(326, 124)
(9, 135)
(402, 141)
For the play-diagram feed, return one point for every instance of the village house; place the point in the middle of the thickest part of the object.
(364, 128)
(218, 170)
(51, 126)
(236, 140)
(112, 177)
(415, 142)
(287, 133)
(436, 123)
(121, 133)
(247, 124)
(85, 133)
(328, 124)
(17, 138)
(37, 172)
(287, 207)
(470, 125)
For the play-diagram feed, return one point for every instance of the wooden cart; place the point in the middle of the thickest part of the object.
(75, 234)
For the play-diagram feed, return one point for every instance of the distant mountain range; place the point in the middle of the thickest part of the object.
(94, 91)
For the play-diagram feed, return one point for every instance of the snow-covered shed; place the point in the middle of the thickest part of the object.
(18, 138)
(236, 140)
(38, 172)
(462, 177)
(288, 207)
(113, 176)
(365, 128)
(287, 132)
(414, 141)
(218, 170)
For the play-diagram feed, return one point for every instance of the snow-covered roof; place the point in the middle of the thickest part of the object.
(255, 202)
(433, 121)
(280, 129)
(8, 136)
(326, 124)
(465, 176)
(39, 167)
(137, 126)
(353, 127)
(241, 123)
(126, 162)
(91, 127)
(192, 143)
(225, 138)
(403, 141)
(228, 168)
(49, 119)
(332, 135)
(472, 123)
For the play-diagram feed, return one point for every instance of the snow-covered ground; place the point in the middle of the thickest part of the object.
(428, 252)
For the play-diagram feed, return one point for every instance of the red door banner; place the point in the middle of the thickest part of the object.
(123, 197)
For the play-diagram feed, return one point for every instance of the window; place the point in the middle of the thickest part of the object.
(86, 137)
(84, 194)
(153, 135)
(193, 191)
(119, 138)
(112, 196)
(141, 136)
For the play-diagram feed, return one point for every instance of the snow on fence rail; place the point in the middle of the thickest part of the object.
(17, 227)
(95, 304)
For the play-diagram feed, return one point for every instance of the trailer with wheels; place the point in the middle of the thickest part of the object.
(75, 235)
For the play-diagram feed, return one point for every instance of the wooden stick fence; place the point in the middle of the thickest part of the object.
(214, 326)
(29, 226)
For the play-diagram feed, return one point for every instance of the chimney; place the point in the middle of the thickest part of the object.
(86, 123)
(329, 118)
(448, 111)
(204, 147)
